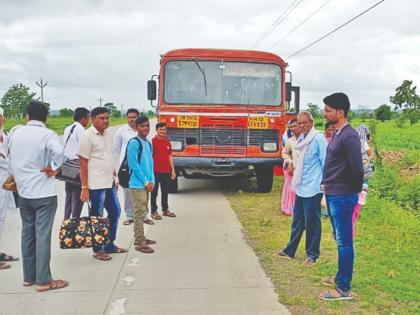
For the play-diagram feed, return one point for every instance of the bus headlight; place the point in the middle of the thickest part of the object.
(176, 145)
(269, 147)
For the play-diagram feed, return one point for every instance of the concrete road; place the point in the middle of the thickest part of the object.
(202, 265)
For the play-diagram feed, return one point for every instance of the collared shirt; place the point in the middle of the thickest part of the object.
(70, 149)
(162, 151)
(31, 148)
(141, 170)
(121, 138)
(313, 166)
(289, 153)
(97, 148)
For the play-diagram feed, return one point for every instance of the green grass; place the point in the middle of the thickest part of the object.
(58, 124)
(387, 267)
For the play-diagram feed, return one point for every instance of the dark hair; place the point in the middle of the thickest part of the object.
(97, 111)
(294, 120)
(141, 119)
(160, 125)
(338, 101)
(37, 110)
(132, 110)
(328, 125)
(80, 113)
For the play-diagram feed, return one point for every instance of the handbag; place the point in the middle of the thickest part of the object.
(84, 232)
(10, 184)
(70, 170)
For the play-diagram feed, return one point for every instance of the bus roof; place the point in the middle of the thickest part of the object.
(223, 54)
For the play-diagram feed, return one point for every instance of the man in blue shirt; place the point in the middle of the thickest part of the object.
(307, 185)
(142, 180)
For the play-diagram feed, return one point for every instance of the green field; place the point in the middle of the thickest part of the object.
(59, 123)
(387, 267)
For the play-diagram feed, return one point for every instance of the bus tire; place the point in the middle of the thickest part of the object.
(265, 176)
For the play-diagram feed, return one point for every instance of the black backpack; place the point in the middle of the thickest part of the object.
(124, 172)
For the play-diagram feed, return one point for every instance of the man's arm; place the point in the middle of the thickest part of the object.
(84, 196)
(56, 151)
(117, 142)
(134, 163)
(322, 147)
(171, 162)
(352, 146)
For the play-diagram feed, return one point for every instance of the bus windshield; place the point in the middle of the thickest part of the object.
(218, 82)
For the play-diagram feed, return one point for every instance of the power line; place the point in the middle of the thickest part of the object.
(277, 22)
(300, 24)
(334, 30)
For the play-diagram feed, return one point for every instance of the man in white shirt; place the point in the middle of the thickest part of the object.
(121, 138)
(98, 177)
(73, 205)
(35, 152)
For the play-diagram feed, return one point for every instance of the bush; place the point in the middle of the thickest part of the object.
(385, 182)
(409, 195)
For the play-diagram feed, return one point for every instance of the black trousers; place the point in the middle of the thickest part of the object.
(164, 180)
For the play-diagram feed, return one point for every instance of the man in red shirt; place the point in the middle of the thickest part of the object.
(164, 170)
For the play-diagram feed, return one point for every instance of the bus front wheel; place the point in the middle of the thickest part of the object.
(265, 176)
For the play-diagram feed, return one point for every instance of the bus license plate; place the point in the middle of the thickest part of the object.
(187, 121)
(257, 122)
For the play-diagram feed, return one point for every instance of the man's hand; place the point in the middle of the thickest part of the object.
(149, 187)
(173, 175)
(2, 156)
(84, 195)
(49, 171)
(290, 170)
(116, 186)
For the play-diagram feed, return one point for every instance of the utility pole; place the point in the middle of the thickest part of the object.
(122, 109)
(100, 99)
(42, 85)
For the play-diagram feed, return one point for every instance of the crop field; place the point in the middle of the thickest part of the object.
(387, 266)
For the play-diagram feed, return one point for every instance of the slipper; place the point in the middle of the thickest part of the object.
(328, 281)
(148, 221)
(335, 295)
(145, 249)
(128, 222)
(156, 216)
(168, 213)
(102, 256)
(53, 285)
(150, 242)
(28, 283)
(309, 262)
(5, 257)
(4, 266)
(117, 250)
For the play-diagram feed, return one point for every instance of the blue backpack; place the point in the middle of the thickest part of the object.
(124, 173)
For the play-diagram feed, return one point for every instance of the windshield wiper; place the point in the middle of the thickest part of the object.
(203, 73)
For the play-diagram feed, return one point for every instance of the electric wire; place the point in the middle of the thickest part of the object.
(334, 30)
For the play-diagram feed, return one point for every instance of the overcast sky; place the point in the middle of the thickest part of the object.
(91, 48)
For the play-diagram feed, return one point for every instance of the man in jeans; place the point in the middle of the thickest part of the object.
(142, 180)
(73, 205)
(306, 182)
(98, 177)
(164, 171)
(35, 152)
(343, 179)
(121, 138)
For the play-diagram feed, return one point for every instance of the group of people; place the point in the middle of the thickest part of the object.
(33, 154)
(332, 165)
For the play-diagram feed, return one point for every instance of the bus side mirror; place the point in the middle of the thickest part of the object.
(151, 90)
(296, 92)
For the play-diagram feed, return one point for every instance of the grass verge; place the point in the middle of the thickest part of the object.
(387, 268)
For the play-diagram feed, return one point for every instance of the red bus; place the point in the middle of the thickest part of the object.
(226, 111)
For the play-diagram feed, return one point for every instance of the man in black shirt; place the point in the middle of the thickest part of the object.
(343, 179)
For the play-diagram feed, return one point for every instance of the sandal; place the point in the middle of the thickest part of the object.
(28, 283)
(3, 266)
(102, 256)
(148, 221)
(53, 285)
(328, 281)
(5, 257)
(309, 262)
(335, 295)
(168, 213)
(145, 249)
(156, 216)
(128, 222)
(117, 250)
(150, 242)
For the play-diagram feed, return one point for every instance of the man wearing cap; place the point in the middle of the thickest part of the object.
(343, 179)
(6, 197)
